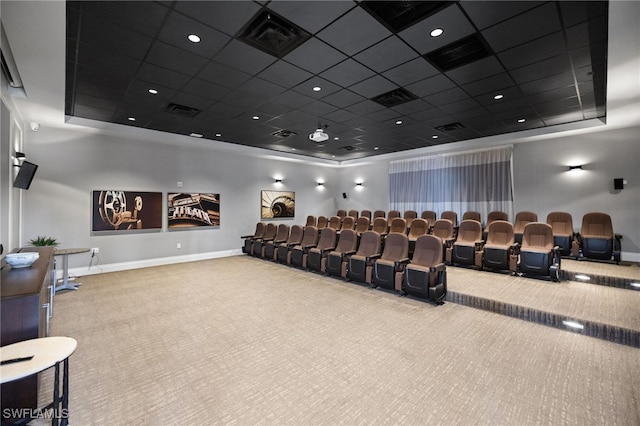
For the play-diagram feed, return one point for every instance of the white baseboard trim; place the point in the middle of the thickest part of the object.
(123, 266)
(146, 263)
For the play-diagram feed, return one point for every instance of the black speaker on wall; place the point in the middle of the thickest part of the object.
(344, 195)
(618, 183)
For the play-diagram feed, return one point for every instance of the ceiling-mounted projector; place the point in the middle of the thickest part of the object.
(318, 136)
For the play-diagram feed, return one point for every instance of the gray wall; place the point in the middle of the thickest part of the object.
(73, 163)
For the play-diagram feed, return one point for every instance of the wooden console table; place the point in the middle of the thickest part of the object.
(25, 311)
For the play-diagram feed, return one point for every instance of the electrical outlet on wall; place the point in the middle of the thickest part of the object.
(95, 251)
(179, 245)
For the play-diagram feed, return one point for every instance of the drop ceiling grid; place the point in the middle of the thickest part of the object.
(230, 81)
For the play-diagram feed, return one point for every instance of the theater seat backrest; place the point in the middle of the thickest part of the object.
(428, 251)
(596, 225)
(537, 236)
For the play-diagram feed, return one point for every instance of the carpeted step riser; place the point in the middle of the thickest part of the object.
(598, 330)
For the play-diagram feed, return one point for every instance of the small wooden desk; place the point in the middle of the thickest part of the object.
(65, 253)
(47, 352)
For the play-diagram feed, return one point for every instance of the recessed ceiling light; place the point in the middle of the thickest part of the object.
(153, 91)
(131, 119)
(522, 120)
(333, 156)
(293, 149)
(218, 135)
(194, 38)
(498, 96)
(317, 89)
(255, 117)
(434, 137)
(375, 148)
(336, 138)
(196, 135)
(437, 32)
(398, 122)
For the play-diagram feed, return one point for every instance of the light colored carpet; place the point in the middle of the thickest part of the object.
(591, 302)
(242, 341)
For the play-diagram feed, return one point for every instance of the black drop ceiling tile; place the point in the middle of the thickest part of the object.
(223, 75)
(109, 62)
(430, 85)
(373, 86)
(534, 51)
(99, 91)
(476, 70)
(510, 104)
(412, 107)
(353, 32)
(339, 115)
(101, 77)
(141, 16)
(387, 54)
(583, 57)
(347, 72)
(312, 16)
(291, 99)
(557, 105)
(583, 34)
(574, 12)
(463, 107)
(410, 72)
(206, 89)
(178, 27)
(545, 68)
(562, 117)
(315, 56)
(91, 112)
(262, 88)
(243, 100)
(170, 57)
(384, 115)
(145, 101)
(552, 95)
(547, 84)
(94, 102)
(285, 74)
(192, 101)
(523, 28)
(161, 76)
(455, 25)
(489, 84)
(365, 107)
(448, 96)
(487, 13)
(113, 37)
(306, 88)
(318, 108)
(343, 98)
(227, 16)
(273, 109)
(244, 57)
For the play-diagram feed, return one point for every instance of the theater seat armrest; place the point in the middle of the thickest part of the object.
(349, 253)
(479, 245)
(515, 248)
(437, 268)
(373, 257)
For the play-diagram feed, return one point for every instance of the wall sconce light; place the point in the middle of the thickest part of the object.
(358, 183)
(278, 180)
(320, 183)
(20, 155)
(578, 167)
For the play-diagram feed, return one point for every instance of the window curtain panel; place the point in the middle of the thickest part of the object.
(474, 181)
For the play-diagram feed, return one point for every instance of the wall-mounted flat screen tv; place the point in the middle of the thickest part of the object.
(25, 175)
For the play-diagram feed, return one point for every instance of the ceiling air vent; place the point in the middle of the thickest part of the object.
(182, 110)
(350, 148)
(398, 15)
(395, 97)
(272, 34)
(458, 53)
(450, 127)
(282, 133)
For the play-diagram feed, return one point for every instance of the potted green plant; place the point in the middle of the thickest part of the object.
(43, 241)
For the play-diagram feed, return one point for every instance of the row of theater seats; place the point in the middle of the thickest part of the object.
(368, 257)
(596, 239)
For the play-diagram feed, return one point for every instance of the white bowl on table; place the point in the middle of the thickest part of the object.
(21, 260)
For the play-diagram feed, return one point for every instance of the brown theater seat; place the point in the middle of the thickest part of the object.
(361, 264)
(388, 269)
(597, 239)
(337, 260)
(538, 255)
(500, 250)
(426, 276)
